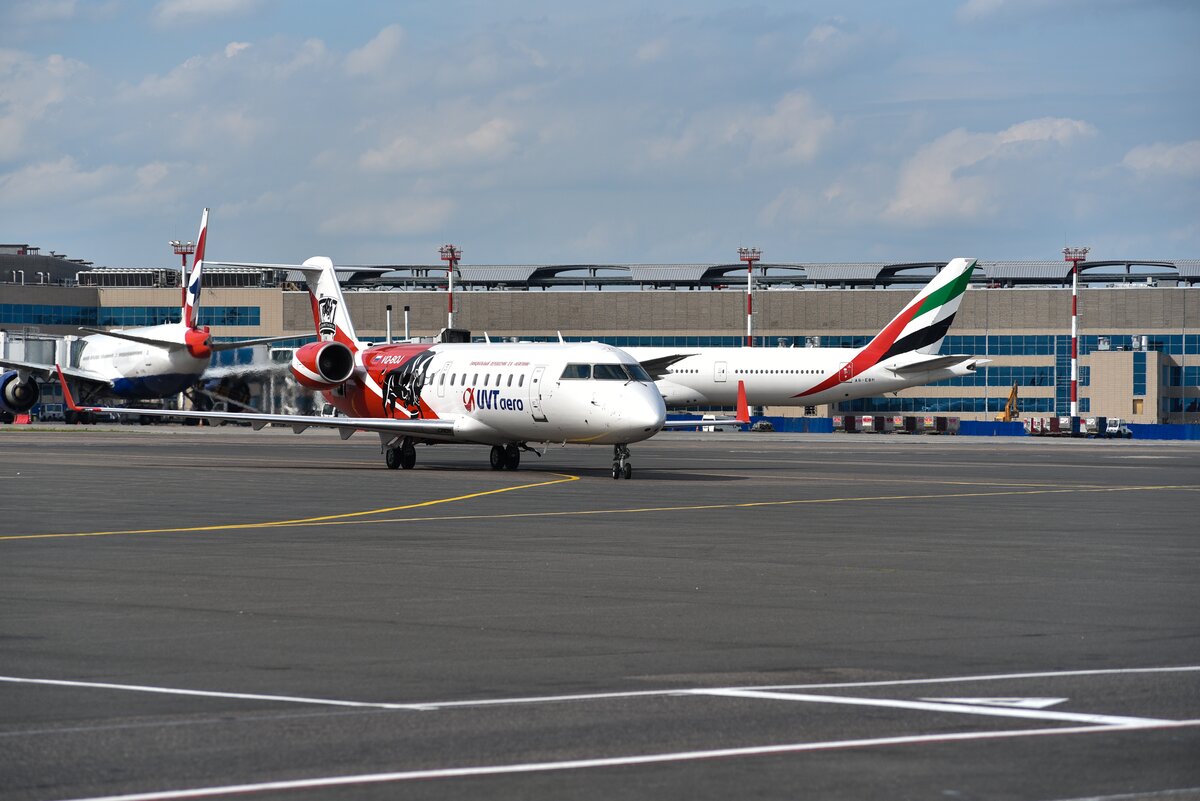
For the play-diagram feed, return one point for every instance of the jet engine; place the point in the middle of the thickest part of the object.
(17, 396)
(199, 343)
(323, 365)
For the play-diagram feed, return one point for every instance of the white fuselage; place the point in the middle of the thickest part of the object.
(140, 370)
(502, 393)
(780, 376)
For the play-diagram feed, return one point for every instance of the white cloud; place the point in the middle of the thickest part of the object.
(942, 182)
(651, 51)
(377, 54)
(491, 141)
(1181, 160)
(51, 182)
(29, 89)
(179, 12)
(41, 11)
(793, 131)
(402, 217)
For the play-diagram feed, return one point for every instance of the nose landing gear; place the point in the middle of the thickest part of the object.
(621, 466)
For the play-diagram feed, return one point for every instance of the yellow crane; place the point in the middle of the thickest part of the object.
(1009, 413)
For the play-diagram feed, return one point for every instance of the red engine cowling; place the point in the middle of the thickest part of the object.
(17, 396)
(199, 343)
(323, 365)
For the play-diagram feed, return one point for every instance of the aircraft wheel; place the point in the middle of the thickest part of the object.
(408, 456)
(391, 458)
(617, 471)
(497, 457)
(628, 471)
(512, 457)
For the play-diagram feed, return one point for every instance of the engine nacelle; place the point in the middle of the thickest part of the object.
(17, 396)
(323, 365)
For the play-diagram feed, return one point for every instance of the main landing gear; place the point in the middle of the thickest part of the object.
(621, 466)
(505, 457)
(405, 456)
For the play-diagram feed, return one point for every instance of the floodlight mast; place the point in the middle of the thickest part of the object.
(749, 255)
(1075, 255)
(450, 254)
(183, 250)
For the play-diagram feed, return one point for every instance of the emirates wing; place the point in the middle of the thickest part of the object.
(48, 372)
(345, 426)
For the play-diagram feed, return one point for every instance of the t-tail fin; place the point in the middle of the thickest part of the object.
(191, 289)
(330, 315)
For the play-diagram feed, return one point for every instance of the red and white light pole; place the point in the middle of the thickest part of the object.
(1075, 255)
(749, 255)
(450, 255)
(183, 250)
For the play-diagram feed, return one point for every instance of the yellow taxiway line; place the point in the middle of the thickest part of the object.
(344, 518)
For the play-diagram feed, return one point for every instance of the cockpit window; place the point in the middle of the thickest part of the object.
(609, 372)
(576, 371)
(638, 373)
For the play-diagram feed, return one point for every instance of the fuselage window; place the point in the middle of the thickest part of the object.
(510, 378)
(485, 379)
(521, 380)
(475, 380)
(577, 371)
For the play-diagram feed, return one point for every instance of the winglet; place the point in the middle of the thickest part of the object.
(743, 408)
(67, 391)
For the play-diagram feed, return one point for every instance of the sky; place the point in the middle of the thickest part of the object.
(535, 132)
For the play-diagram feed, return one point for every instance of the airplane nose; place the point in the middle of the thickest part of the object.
(644, 410)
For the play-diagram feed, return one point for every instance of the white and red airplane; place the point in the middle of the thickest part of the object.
(155, 361)
(502, 395)
(904, 354)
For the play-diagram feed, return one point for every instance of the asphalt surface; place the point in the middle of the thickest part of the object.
(752, 616)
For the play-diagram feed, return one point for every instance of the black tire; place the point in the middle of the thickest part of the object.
(391, 457)
(628, 471)
(497, 457)
(616, 471)
(408, 456)
(512, 457)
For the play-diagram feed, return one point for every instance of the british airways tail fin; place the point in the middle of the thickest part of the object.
(191, 290)
(330, 314)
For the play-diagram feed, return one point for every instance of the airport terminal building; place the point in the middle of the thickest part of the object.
(1139, 320)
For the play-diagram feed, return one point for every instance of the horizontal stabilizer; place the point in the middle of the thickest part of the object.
(939, 363)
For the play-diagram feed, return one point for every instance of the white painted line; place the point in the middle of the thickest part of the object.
(1018, 703)
(551, 699)
(207, 693)
(608, 762)
(928, 706)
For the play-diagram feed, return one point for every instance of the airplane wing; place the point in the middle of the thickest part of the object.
(245, 343)
(215, 346)
(657, 367)
(48, 372)
(130, 337)
(743, 415)
(937, 363)
(345, 426)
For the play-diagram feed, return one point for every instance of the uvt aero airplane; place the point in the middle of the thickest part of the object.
(502, 395)
(904, 354)
(155, 361)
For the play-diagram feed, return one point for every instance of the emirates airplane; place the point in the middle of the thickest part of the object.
(155, 361)
(502, 395)
(904, 354)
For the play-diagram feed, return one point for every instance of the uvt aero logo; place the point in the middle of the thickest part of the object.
(490, 399)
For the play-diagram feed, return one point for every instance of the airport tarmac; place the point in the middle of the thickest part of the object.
(202, 613)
